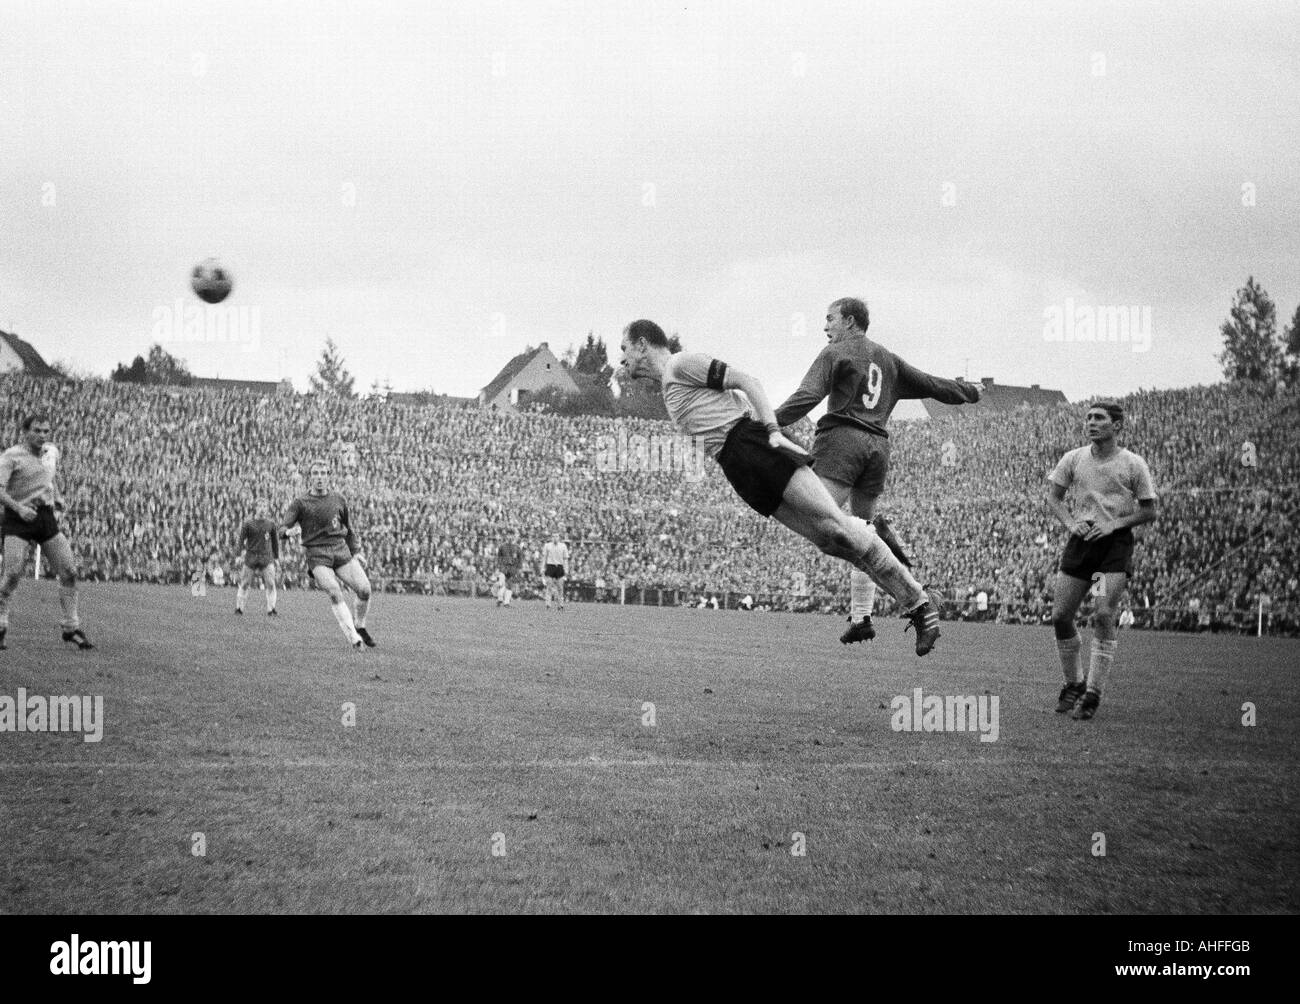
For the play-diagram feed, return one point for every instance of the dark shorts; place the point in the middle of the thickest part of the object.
(334, 557)
(1085, 558)
(757, 472)
(44, 527)
(853, 457)
(258, 564)
(554, 571)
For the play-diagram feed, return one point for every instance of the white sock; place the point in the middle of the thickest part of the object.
(1068, 649)
(240, 594)
(344, 616)
(68, 600)
(507, 594)
(862, 596)
(1103, 657)
(272, 594)
(889, 573)
(362, 607)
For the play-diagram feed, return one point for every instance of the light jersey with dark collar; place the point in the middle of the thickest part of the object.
(1104, 489)
(324, 520)
(25, 476)
(697, 402)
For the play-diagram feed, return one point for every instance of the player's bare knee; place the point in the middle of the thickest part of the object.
(68, 578)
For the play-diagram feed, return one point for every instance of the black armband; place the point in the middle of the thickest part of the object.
(717, 373)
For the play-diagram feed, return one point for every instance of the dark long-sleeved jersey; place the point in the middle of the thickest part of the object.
(865, 381)
(324, 521)
(259, 540)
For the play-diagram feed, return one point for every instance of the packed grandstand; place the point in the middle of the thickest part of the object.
(157, 481)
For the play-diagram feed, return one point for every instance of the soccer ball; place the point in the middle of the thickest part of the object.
(211, 281)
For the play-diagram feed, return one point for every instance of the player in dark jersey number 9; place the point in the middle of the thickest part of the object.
(333, 552)
(729, 413)
(864, 382)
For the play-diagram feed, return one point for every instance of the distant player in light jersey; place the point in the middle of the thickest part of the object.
(555, 566)
(499, 591)
(716, 404)
(334, 555)
(29, 502)
(1113, 494)
(851, 450)
(259, 546)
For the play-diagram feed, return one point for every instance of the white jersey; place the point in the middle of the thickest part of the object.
(555, 554)
(1104, 489)
(26, 477)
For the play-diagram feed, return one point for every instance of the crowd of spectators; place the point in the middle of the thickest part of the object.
(157, 481)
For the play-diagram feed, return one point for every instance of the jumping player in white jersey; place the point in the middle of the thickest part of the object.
(729, 414)
(864, 381)
(30, 503)
(1113, 494)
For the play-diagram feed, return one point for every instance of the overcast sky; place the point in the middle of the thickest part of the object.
(434, 186)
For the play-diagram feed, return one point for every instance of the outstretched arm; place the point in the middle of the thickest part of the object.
(915, 383)
(812, 390)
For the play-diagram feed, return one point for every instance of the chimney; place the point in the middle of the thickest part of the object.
(986, 381)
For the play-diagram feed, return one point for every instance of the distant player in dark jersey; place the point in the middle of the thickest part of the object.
(28, 515)
(1113, 493)
(334, 554)
(259, 545)
(729, 414)
(864, 381)
(510, 559)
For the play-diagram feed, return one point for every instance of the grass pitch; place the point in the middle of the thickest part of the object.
(524, 732)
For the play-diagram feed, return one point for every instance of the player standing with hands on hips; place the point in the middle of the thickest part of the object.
(1113, 494)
